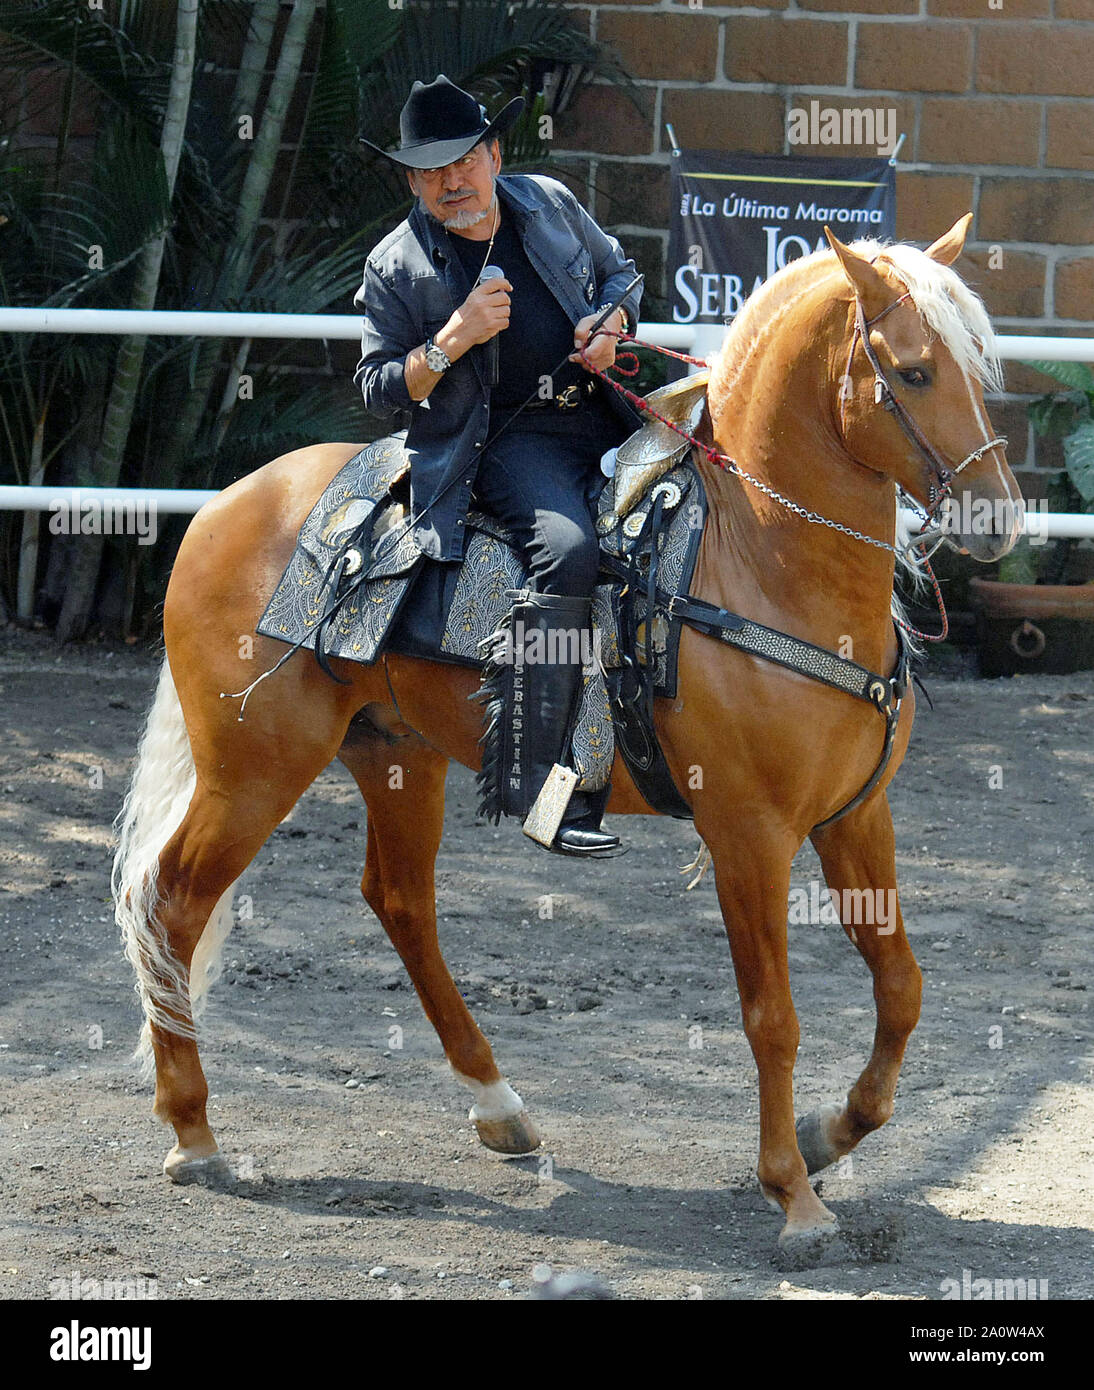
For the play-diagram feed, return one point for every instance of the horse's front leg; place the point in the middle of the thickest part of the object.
(857, 854)
(404, 834)
(753, 883)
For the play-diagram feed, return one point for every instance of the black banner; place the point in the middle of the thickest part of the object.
(738, 218)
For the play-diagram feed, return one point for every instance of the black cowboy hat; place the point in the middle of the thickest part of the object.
(441, 122)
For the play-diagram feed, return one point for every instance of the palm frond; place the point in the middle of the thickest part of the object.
(486, 46)
(70, 34)
(281, 417)
(1076, 375)
(121, 205)
(307, 280)
(218, 21)
(336, 92)
(356, 34)
(103, 58)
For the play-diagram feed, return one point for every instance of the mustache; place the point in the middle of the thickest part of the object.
(459, 193)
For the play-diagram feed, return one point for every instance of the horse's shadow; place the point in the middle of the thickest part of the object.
(919, 1251)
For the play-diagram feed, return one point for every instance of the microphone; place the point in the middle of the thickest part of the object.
(490, 349)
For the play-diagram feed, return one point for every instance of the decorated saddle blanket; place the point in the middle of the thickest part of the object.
(357, 584)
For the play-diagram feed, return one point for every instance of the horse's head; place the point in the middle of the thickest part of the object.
(917, 354)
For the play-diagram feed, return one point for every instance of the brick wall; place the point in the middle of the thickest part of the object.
(995, 104)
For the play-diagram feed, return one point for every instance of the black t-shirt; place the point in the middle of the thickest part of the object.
(540, 333)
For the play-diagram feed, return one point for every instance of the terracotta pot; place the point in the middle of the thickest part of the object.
(1045, 628)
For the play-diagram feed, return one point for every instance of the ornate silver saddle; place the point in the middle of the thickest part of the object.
(335, 602)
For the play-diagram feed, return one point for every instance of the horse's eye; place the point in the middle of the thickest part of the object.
(914, 376)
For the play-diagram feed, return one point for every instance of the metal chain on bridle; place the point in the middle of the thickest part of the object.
(943, 474)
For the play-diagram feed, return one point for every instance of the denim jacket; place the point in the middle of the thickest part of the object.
(412, 286)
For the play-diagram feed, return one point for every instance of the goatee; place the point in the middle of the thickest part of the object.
(460, 221)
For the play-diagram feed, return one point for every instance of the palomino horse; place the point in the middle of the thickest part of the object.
(793, 398)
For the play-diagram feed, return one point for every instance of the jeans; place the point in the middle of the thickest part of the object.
(541, 478)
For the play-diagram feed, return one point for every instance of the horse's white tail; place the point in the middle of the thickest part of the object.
(155, 804)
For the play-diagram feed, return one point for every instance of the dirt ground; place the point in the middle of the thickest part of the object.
(616, 1018)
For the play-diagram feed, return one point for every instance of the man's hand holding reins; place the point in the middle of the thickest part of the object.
(600, 351)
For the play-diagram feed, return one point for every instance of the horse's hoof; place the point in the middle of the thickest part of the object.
(185, 1166)
(816, 1245)
(814, 1144)
(516, 1134)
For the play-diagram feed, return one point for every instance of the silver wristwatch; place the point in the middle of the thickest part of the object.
(436, 359)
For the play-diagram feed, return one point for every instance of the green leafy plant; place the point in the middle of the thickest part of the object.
(232, 236)
(1070, 414)
(1067, 415)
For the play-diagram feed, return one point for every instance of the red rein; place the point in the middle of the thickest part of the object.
(723, 461)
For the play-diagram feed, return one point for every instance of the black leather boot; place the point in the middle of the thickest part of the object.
(580, 831)
(533, 680)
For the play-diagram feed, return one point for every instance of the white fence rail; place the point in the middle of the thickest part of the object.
(697, 339)
(19, 497)
(188, 323)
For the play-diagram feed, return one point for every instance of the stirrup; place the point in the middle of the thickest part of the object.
(545, 821)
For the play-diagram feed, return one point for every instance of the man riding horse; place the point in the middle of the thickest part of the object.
(492, 417)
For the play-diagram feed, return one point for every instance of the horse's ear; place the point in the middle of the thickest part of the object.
(947, 248)
(866, 282)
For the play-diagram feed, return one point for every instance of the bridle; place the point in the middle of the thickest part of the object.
(923, 544)
(942, 474)
(931, 532)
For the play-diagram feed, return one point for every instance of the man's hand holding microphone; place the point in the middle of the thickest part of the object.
(479, 319)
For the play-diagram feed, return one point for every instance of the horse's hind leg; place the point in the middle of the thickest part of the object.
(402, 782)
(215, 843)
(235, 790)
(857, 854)
(217, 840)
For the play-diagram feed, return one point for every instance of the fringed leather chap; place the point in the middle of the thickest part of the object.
(531, 683)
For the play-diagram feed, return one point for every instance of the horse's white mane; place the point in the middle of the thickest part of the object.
(949, 309)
